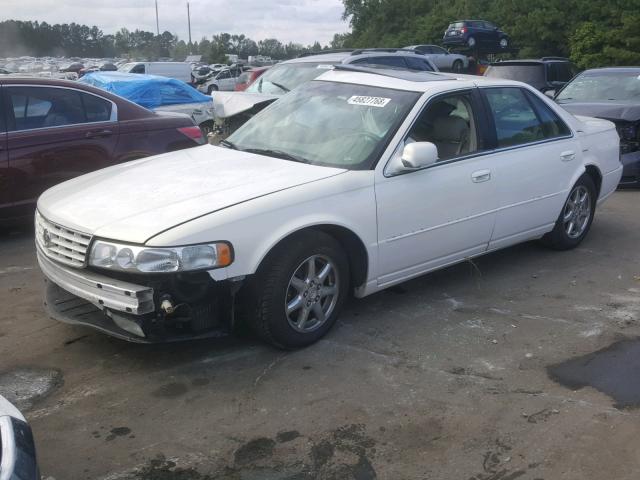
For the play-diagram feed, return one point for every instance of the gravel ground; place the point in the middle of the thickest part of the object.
(482, 371)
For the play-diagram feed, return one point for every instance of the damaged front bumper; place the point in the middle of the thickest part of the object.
(145, 310)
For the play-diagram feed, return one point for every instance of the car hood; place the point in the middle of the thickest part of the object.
(629, 112)
(135, 201)
(228, 104)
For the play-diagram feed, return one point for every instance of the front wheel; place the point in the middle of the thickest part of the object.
(576, 216)
(296, 295)
(212, 88)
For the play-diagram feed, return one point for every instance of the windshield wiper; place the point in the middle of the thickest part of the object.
(276, 154)
(280, 86)
(228, 144)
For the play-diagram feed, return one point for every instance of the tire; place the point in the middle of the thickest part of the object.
(211, 89)
(457, 66)
(563, 236)
(206, 128)
(273, 288)
(504, 42)
(471, 42)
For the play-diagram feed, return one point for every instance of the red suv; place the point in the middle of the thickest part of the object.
(54, 130)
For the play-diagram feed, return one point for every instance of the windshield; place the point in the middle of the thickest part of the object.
(325, 123)
(285, 77)
(602, 87)
(126, 67)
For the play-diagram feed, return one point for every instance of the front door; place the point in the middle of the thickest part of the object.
(55, 134)
(444, 213)
(536, 158)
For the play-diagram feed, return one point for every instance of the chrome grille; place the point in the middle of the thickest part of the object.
(60, 243)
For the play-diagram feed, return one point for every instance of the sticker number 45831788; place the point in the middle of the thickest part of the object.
(368, 101)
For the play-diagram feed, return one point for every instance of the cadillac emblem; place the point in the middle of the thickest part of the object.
(46, 239)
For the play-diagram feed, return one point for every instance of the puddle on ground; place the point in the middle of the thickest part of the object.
(613, 371)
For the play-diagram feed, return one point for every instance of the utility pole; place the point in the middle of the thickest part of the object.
(189, 21)
(157, 22)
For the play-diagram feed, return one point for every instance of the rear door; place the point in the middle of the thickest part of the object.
(535, 158)
(54, 134)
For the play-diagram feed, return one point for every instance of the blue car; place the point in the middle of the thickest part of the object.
(476, 34)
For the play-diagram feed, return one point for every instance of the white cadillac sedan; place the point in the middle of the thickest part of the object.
(354, 182)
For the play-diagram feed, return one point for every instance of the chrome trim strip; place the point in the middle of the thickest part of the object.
(471, 217)
(103, 292)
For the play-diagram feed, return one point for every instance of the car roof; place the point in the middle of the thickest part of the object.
(531, 61)
(399, 79)
(340, 57)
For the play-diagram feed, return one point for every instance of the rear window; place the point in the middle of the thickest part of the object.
(456, 25)
(533, 74)
(419, 64)
(395, 62)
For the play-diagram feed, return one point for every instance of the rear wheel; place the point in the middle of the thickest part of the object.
(576, 216)
(296, 295)
(504, 42)
(471, 42)
(457, 66)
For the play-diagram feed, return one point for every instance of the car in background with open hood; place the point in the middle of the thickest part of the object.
(232, 109)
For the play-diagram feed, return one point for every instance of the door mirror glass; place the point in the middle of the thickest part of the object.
(419, 155)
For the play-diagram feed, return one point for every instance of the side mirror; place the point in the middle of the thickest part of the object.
(419, 155)
(550, 93)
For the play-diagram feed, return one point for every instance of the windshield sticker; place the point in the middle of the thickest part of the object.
(324, 67)
(379, 102)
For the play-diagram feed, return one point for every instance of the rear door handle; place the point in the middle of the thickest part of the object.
(481, 176)
(568, 155)
(98, 133)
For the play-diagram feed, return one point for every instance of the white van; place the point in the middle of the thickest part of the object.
(177, 70)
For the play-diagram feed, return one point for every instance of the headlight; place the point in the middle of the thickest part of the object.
(133, 258)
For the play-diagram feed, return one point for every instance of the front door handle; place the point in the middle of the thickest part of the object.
(98, 133)
(481, 176)
(568, 155)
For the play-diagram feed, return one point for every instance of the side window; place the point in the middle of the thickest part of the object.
(449, 123)
(35, 107)
(419, 64)
(96, 109)
(396, 62)
(516, 120)
(564, 72)
(224, 75)
(552, 125)
(138, 68)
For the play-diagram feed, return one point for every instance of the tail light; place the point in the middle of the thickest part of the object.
(463, 30)
(194, 133)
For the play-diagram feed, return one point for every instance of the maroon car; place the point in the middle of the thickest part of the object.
(53, 130)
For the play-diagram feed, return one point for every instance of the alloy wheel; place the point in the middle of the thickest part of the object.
(577, 212)
(312, 294)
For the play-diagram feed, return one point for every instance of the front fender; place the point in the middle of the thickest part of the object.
(256, 226)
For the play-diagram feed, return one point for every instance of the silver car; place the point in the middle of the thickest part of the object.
(17, 450)
(443, 59)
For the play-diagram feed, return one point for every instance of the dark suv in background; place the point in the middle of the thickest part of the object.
(475, 34)
(547, 74)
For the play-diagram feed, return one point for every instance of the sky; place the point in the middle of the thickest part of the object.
(301, 21)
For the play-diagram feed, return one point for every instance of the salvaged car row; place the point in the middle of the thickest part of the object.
(278, 224)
